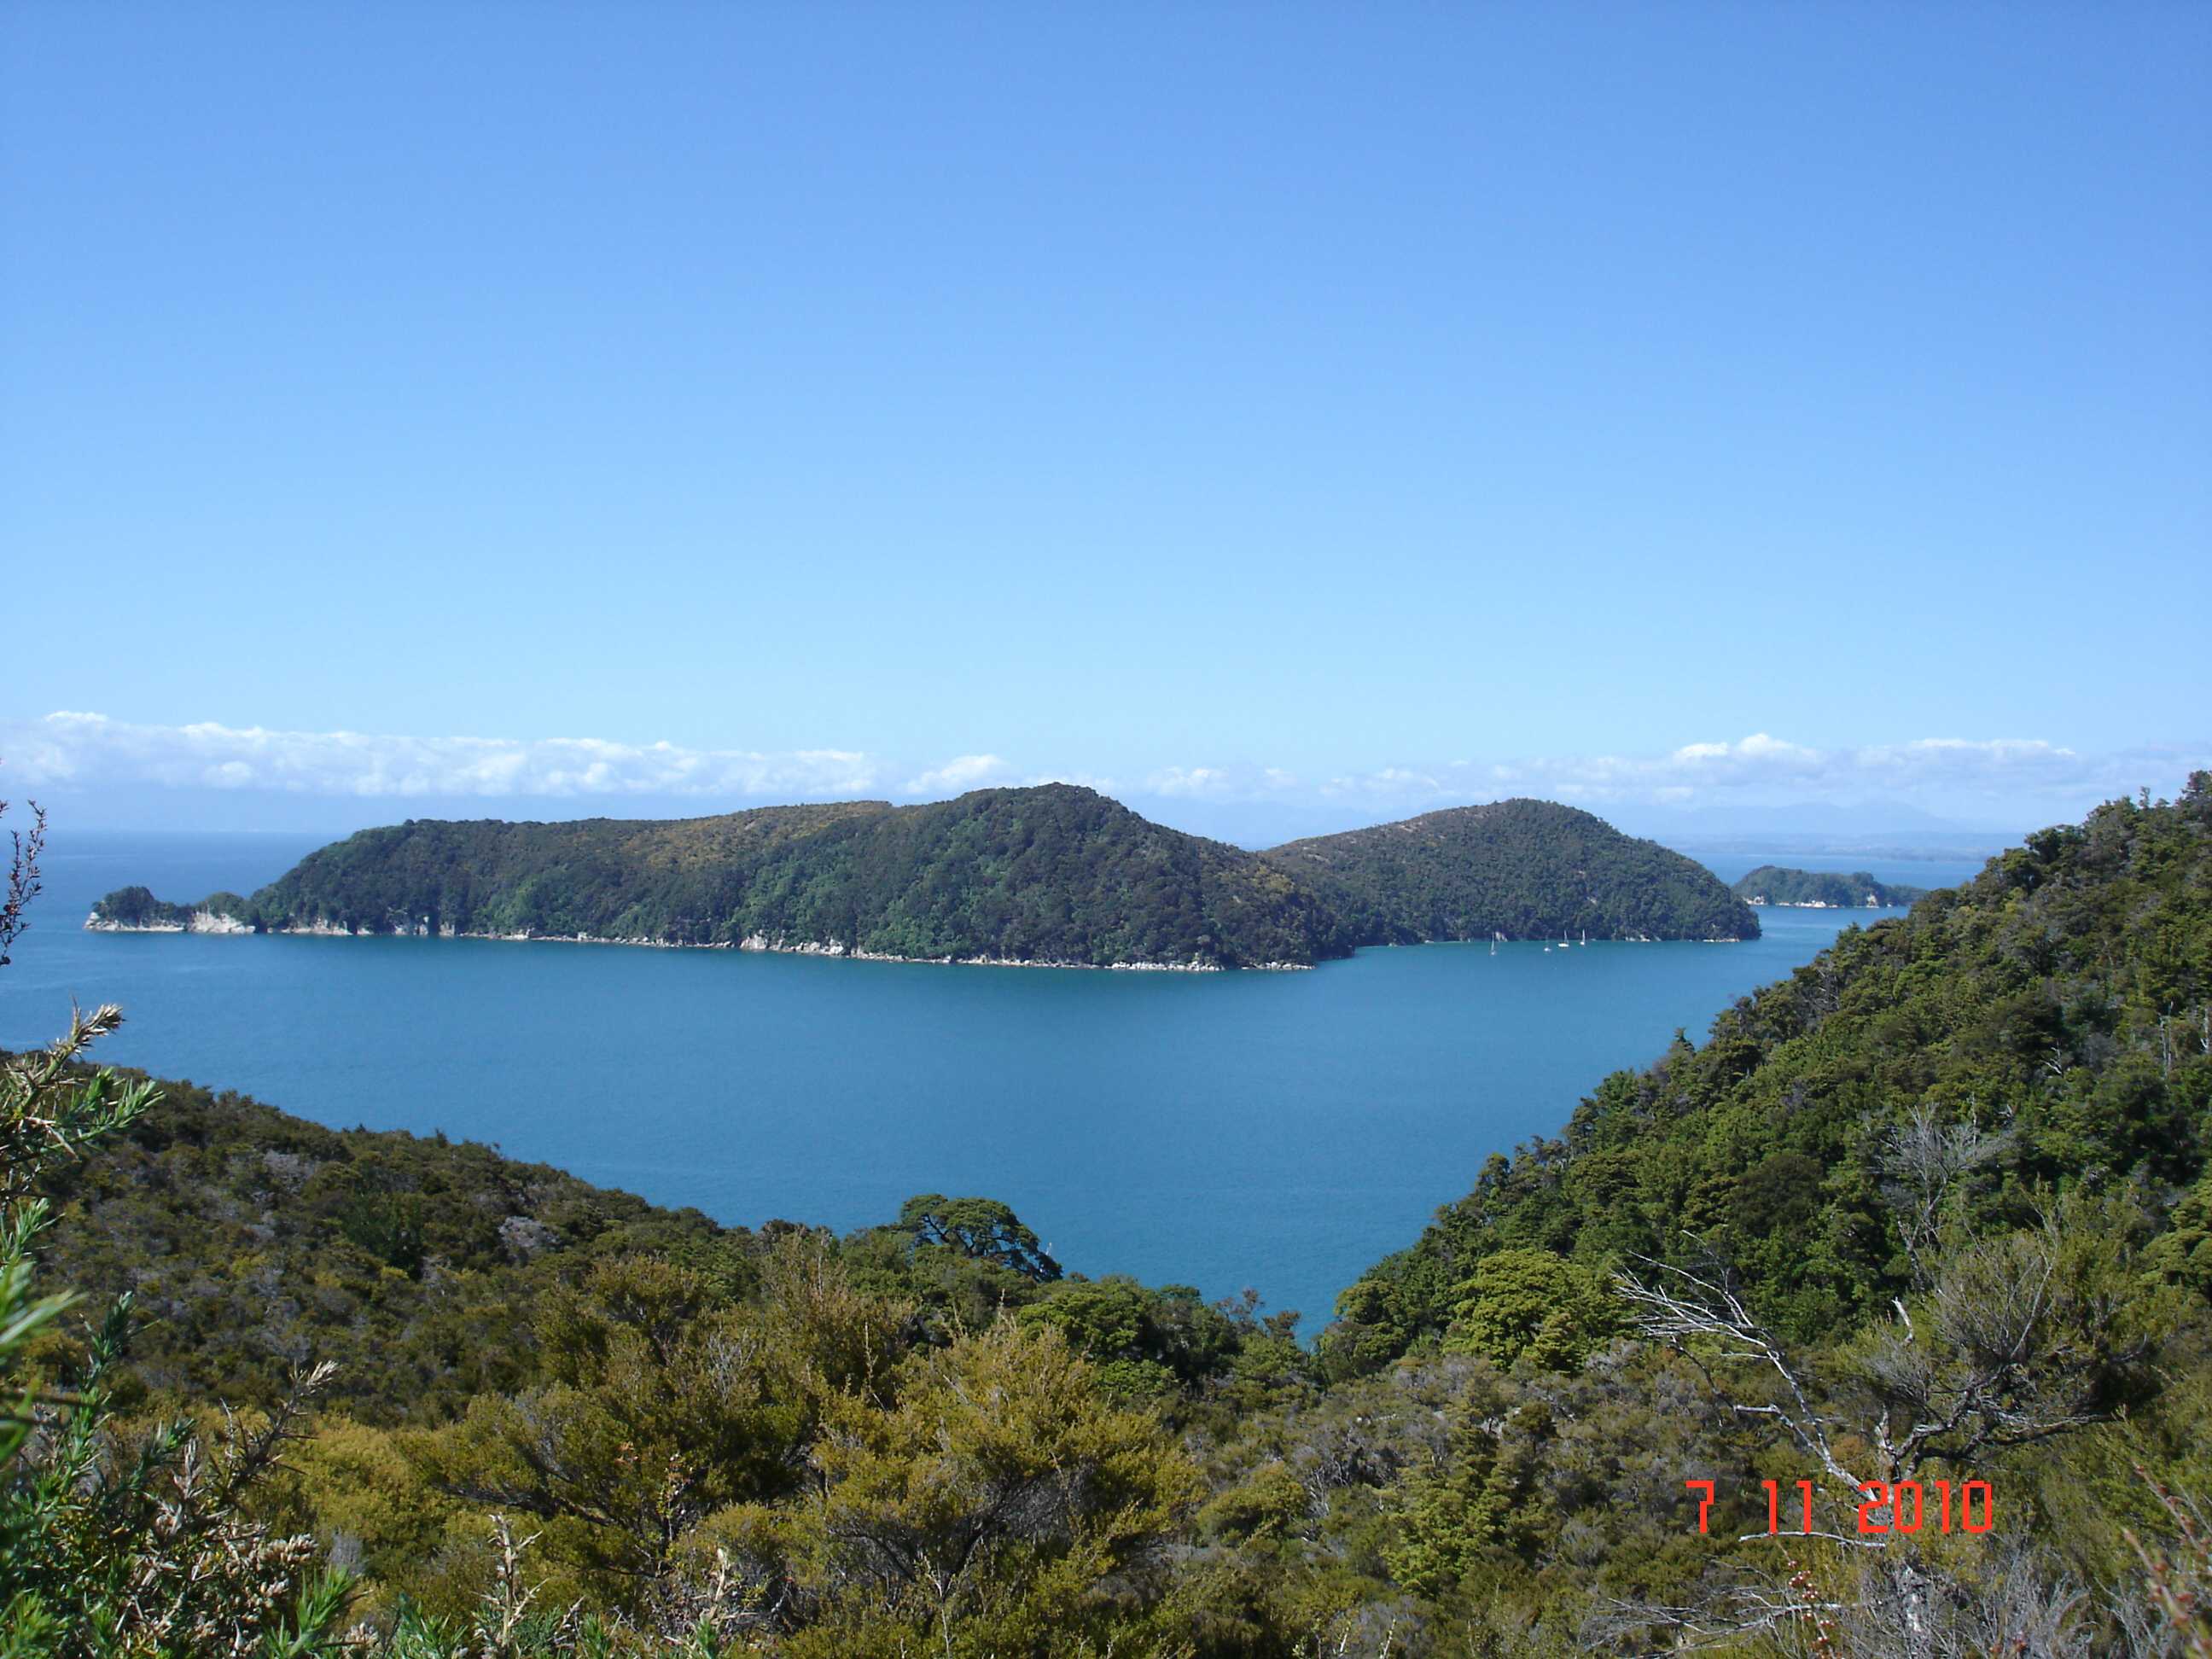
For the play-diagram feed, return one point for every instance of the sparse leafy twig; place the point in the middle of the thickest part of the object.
(25, 847)
(2178, 1577)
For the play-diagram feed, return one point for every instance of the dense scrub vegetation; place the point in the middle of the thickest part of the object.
(1053, 873)
(1528, 869)
(2058, 1009)
(254, 1242)
(1934, 1210)
(1772, 884)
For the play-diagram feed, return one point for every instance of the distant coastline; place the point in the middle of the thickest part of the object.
(1818, 904)
(209, 922)
(205, 922)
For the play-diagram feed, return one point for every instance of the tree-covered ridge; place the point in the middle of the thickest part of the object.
(2056, 1012)
(1051, 874)
(1773, 884)
(1528, 869)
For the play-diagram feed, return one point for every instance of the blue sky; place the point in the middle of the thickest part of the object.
(1336, 410)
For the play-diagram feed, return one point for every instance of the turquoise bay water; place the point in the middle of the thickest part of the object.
(1281, 1131)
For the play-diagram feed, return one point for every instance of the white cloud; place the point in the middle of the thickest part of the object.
(1391, 784)
(1224, 783)
(1194, 783)
(1762, 766)
(963, 771)
(90, 750)
(1086, 780)
(76, 749)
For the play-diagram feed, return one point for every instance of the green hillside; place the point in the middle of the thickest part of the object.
(2055, 1005)
(252, 1240)
(1528, 869)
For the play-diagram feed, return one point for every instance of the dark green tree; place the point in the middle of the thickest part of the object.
(980, 1228)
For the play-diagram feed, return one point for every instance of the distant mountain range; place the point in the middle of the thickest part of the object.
(1051, 875)
(1877, 817)
(1884, 829)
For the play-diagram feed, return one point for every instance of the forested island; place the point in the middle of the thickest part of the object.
(1926, 1227)
(135, 910)
(1053, 875)
(1528, 869)
(1818, 890)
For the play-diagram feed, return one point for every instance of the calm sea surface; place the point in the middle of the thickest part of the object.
(1281, 1131)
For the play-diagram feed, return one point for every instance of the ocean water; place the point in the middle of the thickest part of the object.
(1280, 1131)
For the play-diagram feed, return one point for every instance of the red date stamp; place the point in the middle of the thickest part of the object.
(1885, 1509)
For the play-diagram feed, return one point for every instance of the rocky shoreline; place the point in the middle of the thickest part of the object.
(1870, 904)
(200, 922)
(208, 921)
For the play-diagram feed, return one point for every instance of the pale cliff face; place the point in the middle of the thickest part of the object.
(200, 922)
